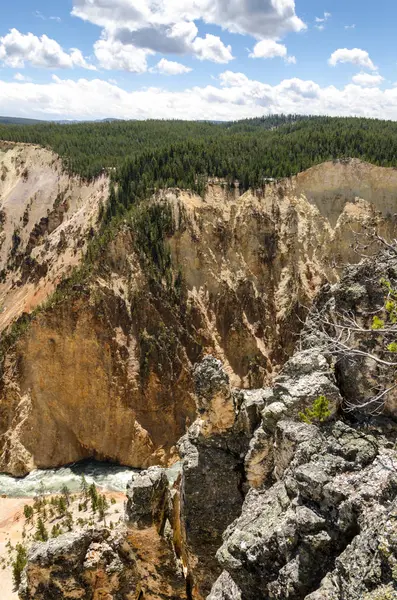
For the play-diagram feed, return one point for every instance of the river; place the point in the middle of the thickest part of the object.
(108, 477)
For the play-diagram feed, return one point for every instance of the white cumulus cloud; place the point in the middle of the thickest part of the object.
(170, 67)
(356, 56)
(367, 80)
(271, 49)
(232, 79)
(168, 26)
(181, 39)
(263, 18)
(212, 48)
(17, 49)
(20, 77)
(268, 49)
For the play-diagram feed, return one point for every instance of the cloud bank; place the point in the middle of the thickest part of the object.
(234, 97)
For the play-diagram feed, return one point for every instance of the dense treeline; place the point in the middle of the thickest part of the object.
(252, 157)
(248, 150)
(264, 123)
(90, 148)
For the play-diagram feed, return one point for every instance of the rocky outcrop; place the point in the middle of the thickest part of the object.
(225, 452)
(352, 303)
(89, 564)
(366, 569)
(318, 519)
(148, 499)
(212, 468)
(290, 535)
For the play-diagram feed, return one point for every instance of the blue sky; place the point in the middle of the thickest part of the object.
(213, 59)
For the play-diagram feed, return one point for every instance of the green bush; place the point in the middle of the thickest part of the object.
(56, 531)
(28, 512)
(318, 413)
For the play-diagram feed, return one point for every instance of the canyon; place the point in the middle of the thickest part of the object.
(206, 363)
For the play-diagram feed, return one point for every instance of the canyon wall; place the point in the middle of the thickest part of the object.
(46, 219)
(105, 370)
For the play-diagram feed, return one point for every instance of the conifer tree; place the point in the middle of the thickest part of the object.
(41, 532)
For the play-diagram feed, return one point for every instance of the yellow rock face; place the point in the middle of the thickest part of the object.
(77, 406)
(51, 212)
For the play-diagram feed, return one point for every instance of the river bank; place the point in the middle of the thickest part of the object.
(15, 493)
(15, 530)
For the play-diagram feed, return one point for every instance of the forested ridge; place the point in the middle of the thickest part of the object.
(144, 156)
(19, 121)
(251, 152)
(180, 151)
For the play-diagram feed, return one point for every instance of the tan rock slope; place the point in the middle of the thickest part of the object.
(106, 372)
(45, 218)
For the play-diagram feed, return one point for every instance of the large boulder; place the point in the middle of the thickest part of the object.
(80, 565)
(148, 498)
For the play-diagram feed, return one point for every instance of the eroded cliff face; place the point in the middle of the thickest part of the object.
(106, 370)
(46, 219)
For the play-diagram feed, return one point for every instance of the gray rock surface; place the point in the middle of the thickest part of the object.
(148, 498)
(75, 564)
(317, 516)
(305, 377)
(360, 294)
(227, 451)
(213, 476)
(225, 589)
(210, 379)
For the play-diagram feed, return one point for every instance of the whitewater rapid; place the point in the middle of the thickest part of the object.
(112, 478)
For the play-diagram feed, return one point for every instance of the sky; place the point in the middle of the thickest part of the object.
(197, 59)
